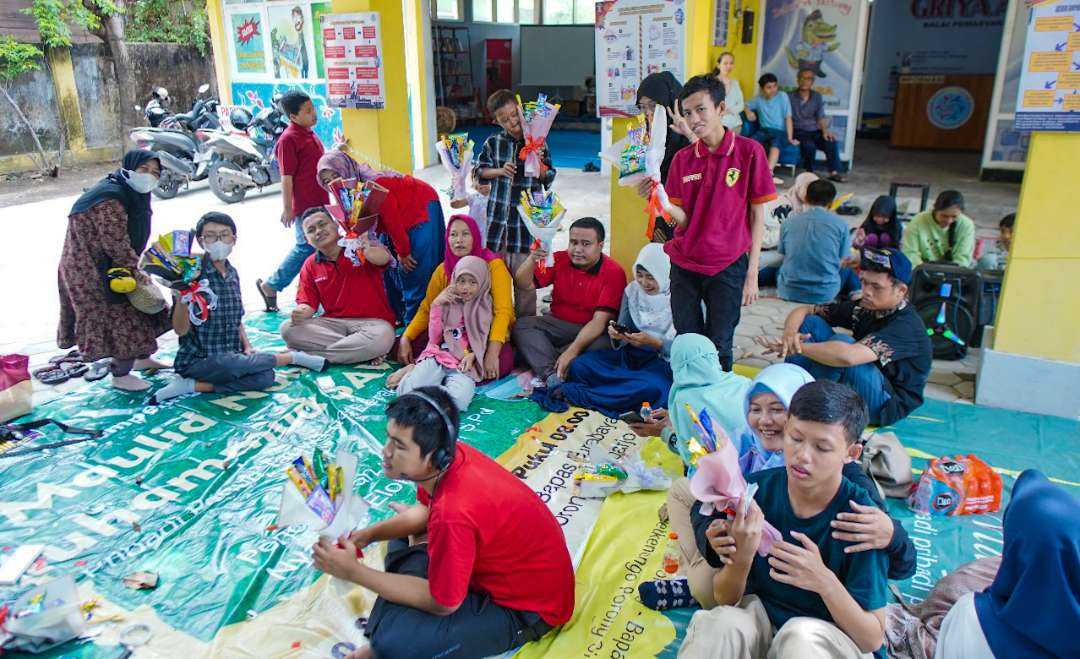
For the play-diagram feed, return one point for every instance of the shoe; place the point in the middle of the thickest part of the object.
(837, 178)
(269, 300)
(590, 167)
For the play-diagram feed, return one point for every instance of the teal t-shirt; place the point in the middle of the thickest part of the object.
(863, 573)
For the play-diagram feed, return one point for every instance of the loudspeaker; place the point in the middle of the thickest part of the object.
(748, 26)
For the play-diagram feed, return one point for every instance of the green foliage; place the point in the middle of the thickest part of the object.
(17, 58)
(55, 17)
(168, 21)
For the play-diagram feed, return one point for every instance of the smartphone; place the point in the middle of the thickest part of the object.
(631, 417)
(621, 329)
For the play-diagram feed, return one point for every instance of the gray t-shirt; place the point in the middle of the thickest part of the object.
(805, 114)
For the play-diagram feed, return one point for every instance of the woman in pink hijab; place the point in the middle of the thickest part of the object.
(463, 238)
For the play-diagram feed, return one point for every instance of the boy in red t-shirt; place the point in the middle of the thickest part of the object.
(716, 190)
(495, 571)
(298, 151)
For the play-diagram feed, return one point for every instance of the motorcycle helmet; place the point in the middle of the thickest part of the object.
(240, 118)
(161, 94)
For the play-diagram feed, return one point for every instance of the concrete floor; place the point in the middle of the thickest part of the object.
(29, 296)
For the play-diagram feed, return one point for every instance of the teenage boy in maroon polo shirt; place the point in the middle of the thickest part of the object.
(494, 571)
(587, 294)
(716, 192)
(357, 324)
(298, 151)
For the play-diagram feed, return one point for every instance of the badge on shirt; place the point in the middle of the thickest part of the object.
(731, 177)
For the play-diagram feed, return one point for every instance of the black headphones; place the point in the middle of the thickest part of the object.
(443, 455)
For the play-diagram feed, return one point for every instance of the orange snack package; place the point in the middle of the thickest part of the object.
(958, 485)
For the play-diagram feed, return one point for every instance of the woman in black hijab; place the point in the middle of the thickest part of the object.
(108, 227)
(663, 89)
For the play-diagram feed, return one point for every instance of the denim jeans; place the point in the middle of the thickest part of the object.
(810, 142)
(293, 261)
(865, 379)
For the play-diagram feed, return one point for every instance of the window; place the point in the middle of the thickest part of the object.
(566, 12)
(504, 11)
(526, 12)
(482, 11)
(448, 10)
(584, 11)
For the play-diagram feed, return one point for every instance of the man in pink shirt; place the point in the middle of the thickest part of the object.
(716, 192)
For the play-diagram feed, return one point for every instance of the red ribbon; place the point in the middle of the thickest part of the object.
(654, 210)
(533, 146)
(198, 300)
(542, 265)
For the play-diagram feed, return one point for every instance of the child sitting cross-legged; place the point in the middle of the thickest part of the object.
(461, 317)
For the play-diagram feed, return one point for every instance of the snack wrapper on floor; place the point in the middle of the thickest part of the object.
(456, 153)
(628, 475)
(718, 483)
(44, 617)
(958, 485)
(542, 213)
(536, 119)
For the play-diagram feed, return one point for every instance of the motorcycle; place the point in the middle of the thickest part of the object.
(246, 159)
(180, 141)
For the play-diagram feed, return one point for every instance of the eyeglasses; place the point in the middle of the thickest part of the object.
(226, 237)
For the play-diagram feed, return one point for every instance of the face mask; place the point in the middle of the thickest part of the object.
(218, 251)
(140, 181)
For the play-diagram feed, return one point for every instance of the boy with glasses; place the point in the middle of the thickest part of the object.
(887, 358)
(215, 355)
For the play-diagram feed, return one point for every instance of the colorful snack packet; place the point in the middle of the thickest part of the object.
(299, 481)
(318, 463)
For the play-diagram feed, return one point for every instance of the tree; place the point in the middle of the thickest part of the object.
(16, 59)
(102, 18)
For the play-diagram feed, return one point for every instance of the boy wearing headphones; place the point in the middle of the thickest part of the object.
(494, 572)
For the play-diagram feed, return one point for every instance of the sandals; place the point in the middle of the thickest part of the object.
(98, 370)
(73, 356)
(269, 300)
(61, 372)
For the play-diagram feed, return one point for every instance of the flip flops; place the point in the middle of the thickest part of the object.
(269, 300)
(98, 370)
(61, 372)
(74, 355)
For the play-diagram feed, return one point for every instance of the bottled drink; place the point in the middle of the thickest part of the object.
(671, 553)
(646, 411)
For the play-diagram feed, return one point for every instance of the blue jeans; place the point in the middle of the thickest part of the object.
(234, 371)
(427, 240)
(293, 261)
(865, 379)
(810, 142)
(770, 137)
(849, 282)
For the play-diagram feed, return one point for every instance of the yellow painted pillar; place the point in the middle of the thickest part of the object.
(1034, 362)
(385, 136)
(628, 220)
(67, 97)
(220, 48)
(1039, 313)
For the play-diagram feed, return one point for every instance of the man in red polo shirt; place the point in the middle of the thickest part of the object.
(356, 324)
(587, 294)
(495, 571)
(716, 191)
(298, 151)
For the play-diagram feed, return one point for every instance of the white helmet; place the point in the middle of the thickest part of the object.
(161, 94)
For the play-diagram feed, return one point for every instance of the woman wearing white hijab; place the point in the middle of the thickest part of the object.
(636, 370)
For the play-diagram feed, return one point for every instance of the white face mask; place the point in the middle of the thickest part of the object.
(218, 251)
(140, 181)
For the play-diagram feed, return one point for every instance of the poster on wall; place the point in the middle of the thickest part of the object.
(926, 37)
(353, 51)
(318, 10)
(827, 37)
(720, 26)
(1006, 147)
(1048, 98)
(247, 41)
(289, 41)
(635, 38)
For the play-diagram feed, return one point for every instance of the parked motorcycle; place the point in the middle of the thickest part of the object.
(179, 140)
(246, 159)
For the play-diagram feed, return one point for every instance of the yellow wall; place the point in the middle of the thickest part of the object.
(1039, 314)
(67, 96)
(628, 220)
(221, 50)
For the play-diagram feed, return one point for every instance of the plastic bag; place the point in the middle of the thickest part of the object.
(16, 390)
(45, 617)
(456, 153)
(958, 485)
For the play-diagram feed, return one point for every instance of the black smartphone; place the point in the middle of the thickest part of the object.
(631, 417)
(621, 329)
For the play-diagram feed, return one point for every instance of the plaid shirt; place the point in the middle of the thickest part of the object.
(221, 332)
(505, 230)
